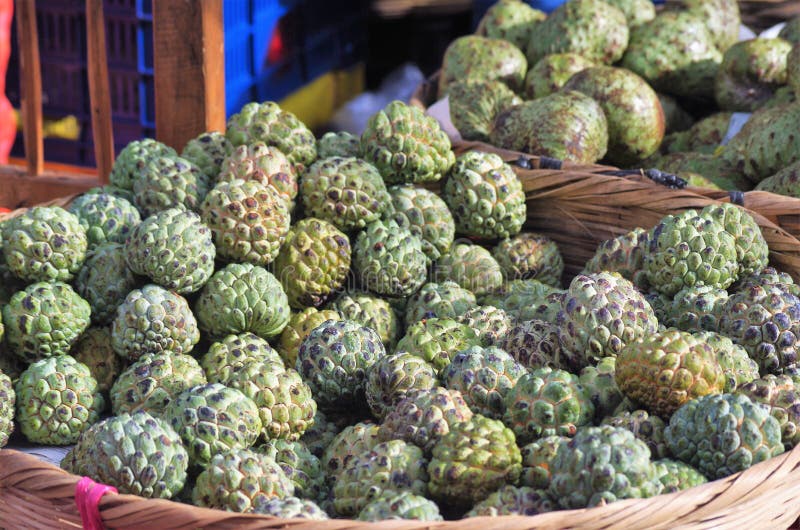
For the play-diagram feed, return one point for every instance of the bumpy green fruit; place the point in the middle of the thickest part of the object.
(7, 402)
(153, 320)
(351, 442)
(530, 256)
(168, 182)
(477, 58)
(303, 468)
(370, 311)
(565, 125)
(750, 73)
(647, 428)
(489, 323)
(105, 218)
(229, 355)
(268, 123)
(696, 308)
(636, 12)
(137, 453)
(677, 476)
(737, 366)
(536, 459)
(44, 244)
(213, 419)
(437, 340)
(95, 351)
(426, 215)
(405, 505)
(174, 249)
(57, 400)
(601, 387)
(105, 280)
(510, 20)
(313, 262)
(511, 500)
(300, 325)
(723, 434)
(153, 381)
(475, 104)
(208, 151)
(552, 72)
(406, 145)
(438, 300)
(472, 267)
(243, 297)
(474, 459)
(265, 164)
(339, 143)
(590, 28)
(133, 158)
(601, 465)
(392, 377)
(45, 320)
(623, 254)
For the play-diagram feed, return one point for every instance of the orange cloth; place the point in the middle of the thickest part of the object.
(8, 124)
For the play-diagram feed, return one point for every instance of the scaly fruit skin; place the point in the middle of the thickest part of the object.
(675, 53)
(705, 136)
(793, 69)
(534, 343)
(262, 163)
(389, 467)
(57, 399)
(370, 311)
(750, 73)
(474, 105)
(632, 109)
(724, 434)
(248, 219)
(437, 340)
(752, 250)
(475, 458)
(313, 262)
(665, 370)
(267, 122)
(513, 500)
(7, 402)
(406, 145)
(348, 444)
(46, 243)
(601, 387)
(536, 459)
(677, 476)
(153, 381)
(687, 250)
(426, 215)
(95, 351)
(405, 505)
(600, 314)
(438, 300)
(601, 465)
(167, 182)
(243, 297)
(424, 416)
(767, 277)
(484, 376)
(207, 151)
(229, 355)
(105, 218)
(340, 143)
(389, 260)
(303, 468)
(516, 296)
(212, 419)
(153, 320)
(489, 323)
(552, 72)
(590, 28)
(174, 249)
(530, 256)
(547, 402)
(696, 308)
(781, 394)
(676, 117)
(510, 20)
(737, 366)
(320, 434)
(784, 182)
(476, 58)
(636, 12)
(571, 127)
(720, 16)
(334, 359)
(133, 158)
(791, 31)
(300, 325)
(285, 404)
(139, 454)
(472, 267)
(235, 481)
(105, 280)
(765, 320)
(347, 192)
(392, 377)
(647, 428)
(44, 320)
(289, 508)
(623, 254)
(485, 196)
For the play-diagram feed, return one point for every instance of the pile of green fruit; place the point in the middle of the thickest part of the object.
(617, 81)
(275, 323)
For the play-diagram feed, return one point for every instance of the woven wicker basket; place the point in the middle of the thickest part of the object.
(577, 207)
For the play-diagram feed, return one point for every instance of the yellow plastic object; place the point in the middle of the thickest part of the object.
(67, 128)
(315, 103)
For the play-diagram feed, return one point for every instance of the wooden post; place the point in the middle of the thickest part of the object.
(30, 85)
(189, 64)
(99, 91)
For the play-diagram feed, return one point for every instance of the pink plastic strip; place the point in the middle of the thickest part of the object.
(87, 496)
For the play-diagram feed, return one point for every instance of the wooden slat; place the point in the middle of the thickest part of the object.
(18, 189)
(189, 68)
(99, 90)
(30, 85)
